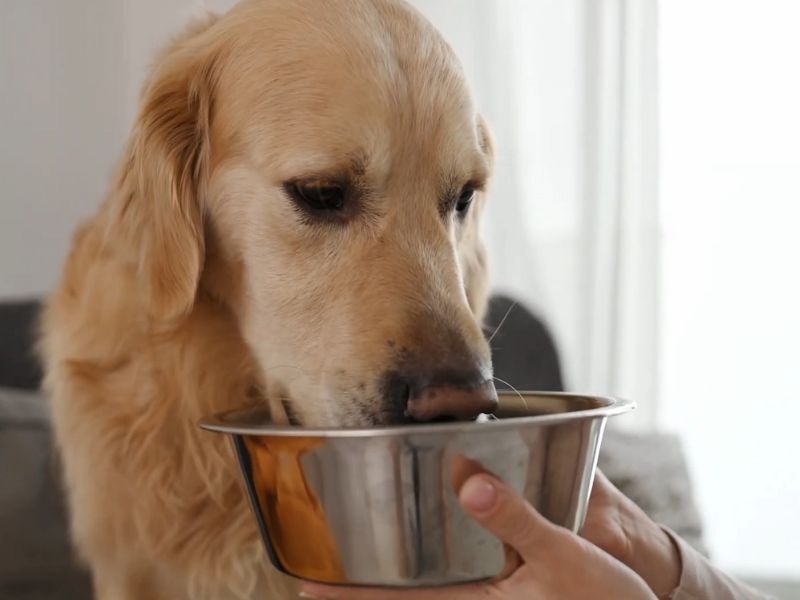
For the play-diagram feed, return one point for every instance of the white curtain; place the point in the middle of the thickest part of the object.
(569, 87)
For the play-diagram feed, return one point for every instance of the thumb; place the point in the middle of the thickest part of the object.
(507, 515)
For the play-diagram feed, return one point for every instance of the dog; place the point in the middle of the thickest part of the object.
(294, 223)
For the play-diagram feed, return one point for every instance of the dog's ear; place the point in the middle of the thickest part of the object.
(165, 175)
(474, 260)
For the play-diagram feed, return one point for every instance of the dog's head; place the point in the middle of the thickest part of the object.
(319, 168)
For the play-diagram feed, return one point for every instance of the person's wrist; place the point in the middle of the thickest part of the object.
(656, 558)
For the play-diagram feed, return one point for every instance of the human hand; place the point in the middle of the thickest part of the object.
(618, 526)
(551, 562)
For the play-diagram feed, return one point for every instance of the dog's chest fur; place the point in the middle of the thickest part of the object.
(155, 502)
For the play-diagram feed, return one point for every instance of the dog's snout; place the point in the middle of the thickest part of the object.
(442, 370)
(452, 400)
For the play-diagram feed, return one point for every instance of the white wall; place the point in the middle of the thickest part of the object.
(70, 73)
(148, 25)
(731, 321)
(61, 128)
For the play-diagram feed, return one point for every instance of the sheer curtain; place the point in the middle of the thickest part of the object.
(569, 87)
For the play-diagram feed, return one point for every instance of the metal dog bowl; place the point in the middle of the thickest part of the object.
(378, 506)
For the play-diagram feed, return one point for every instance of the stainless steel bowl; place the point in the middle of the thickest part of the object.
(378, 506)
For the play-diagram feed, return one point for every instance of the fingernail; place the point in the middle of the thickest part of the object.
(478, 494)
(309, 595)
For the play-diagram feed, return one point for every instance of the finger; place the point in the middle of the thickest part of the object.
(461, 469)
(317, 591)
(508, 516)
(602, 487)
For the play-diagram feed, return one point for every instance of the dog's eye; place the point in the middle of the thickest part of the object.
(318, 195)
(464, 201)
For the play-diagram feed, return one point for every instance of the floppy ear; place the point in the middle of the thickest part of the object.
(165, 176)
(474, 260)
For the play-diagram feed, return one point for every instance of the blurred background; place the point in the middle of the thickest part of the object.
(645, 206)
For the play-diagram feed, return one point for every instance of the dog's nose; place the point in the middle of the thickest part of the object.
(452, 401)
(440, 373)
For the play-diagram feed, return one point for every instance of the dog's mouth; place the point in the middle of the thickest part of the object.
(447, 405)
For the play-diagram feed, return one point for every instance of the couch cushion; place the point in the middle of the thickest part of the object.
(524, 354)
(19, 366)
(36, 561)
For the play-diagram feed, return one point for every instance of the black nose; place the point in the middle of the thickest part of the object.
(441, 397)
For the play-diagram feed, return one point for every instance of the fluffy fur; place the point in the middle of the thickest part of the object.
(200, 286)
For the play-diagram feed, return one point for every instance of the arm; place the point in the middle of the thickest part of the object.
(701, 580)
(672, 569)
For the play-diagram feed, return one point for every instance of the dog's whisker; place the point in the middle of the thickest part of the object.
(513, 389)
(502, 321)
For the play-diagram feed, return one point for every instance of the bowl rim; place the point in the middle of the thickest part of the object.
(613, 406)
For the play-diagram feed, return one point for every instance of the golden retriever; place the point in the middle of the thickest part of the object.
(294, 222)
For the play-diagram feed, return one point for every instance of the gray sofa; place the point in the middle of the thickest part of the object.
(35, 558)
(36, 562)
